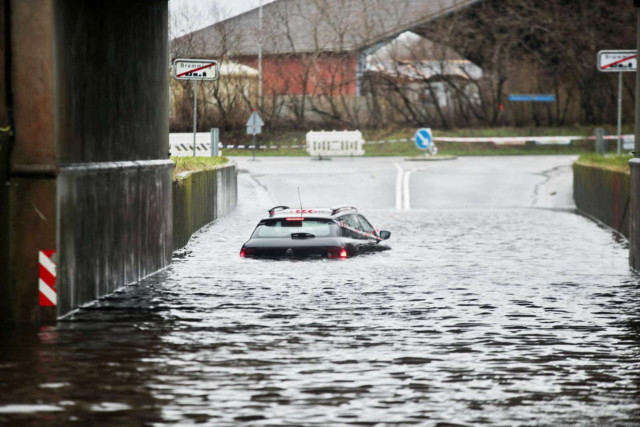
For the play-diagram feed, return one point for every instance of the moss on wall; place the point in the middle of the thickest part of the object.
(200, 198)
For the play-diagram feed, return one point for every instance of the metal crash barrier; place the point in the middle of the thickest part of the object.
(334, 144)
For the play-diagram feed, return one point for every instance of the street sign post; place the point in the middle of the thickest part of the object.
(254, 127)
(424, 141)
(195, 69)
(618, 61)
(531, 97)
(423, 138)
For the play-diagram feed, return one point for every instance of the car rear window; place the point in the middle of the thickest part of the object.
(284, 228)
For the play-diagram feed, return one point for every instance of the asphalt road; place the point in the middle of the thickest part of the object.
(387, 183)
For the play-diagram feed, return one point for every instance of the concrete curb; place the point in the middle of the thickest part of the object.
(430, 158)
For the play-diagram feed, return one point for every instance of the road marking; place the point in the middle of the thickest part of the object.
(399, 185)
(405, 191)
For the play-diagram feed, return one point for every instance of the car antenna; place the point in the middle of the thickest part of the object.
(300, 198)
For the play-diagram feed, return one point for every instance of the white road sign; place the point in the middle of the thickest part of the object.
(254, 124)
(617, 60)
(195, 69)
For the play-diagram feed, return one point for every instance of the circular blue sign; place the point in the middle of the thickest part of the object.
(424, 139)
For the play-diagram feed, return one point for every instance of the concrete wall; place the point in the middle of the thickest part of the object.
(32, 180)
(89, 175)
(111, 134)
(202, 197)
(603, 194)
(6, 139)
(634, 208)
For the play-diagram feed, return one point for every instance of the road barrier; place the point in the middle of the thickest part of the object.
(516, 140)
(47, 279)
(182, 144)
(330, 144)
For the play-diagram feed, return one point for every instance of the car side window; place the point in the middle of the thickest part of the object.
(349, 221)
(354, 223)
(365, 225)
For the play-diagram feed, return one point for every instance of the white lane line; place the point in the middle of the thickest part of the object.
(405, 190)
(399, 185)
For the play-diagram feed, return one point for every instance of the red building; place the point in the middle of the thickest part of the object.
(312, 47)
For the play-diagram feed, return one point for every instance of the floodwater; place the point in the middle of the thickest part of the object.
(476, 317)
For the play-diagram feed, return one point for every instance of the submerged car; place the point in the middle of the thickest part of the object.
(334, 233)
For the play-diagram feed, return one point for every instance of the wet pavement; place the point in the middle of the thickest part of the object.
(499, 314)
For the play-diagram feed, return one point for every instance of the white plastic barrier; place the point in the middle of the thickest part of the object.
(181, 144)
(330, 144)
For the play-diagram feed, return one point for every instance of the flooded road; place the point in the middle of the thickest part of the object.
(496, 313)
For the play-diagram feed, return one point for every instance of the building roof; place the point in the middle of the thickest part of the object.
(304, 26)
(234, 69)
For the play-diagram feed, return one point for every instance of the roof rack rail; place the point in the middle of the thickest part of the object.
(279, 208)
(341, 208)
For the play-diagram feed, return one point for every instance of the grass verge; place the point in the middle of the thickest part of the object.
(196, 164)
(614, 163)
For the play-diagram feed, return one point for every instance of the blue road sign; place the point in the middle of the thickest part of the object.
(532, 98)
(424, 139)
(544, 98)
(519, 98)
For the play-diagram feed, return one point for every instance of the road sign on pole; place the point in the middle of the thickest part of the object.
(254, 127)
(612, 61)
(195, 69)
(620, 61)
(424, 141)
(424, 138)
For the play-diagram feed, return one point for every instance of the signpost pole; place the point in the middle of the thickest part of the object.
(254, 143)
(619, 113)
(195, 113)
(532, 119)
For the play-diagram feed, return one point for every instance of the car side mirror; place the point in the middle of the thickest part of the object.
(384, 235)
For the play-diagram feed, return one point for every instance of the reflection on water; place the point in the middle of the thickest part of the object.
(476, 317)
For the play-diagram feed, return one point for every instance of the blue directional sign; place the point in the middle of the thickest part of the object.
(424, 138)
(532, 98)
(544, 98)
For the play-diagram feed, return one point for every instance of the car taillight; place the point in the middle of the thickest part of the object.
(247, 252)
(334, 252)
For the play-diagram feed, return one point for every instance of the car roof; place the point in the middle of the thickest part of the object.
(286, 212)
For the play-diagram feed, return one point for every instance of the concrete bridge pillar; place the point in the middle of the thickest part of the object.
(86, 95)
(634, 203)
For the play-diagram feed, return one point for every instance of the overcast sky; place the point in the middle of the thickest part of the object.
(190, 15)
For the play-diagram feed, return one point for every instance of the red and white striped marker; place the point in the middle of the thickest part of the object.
(47, 284)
